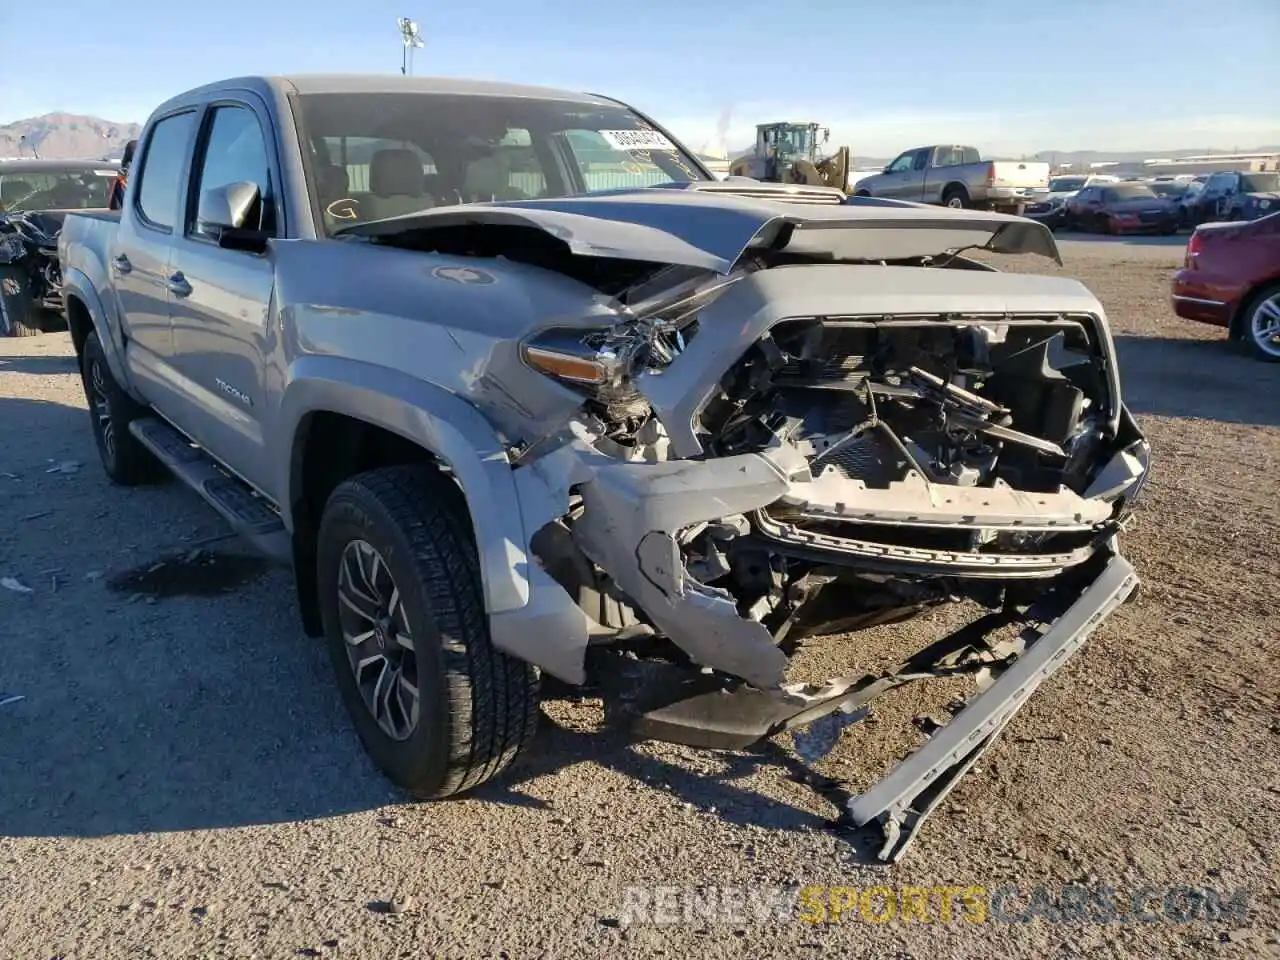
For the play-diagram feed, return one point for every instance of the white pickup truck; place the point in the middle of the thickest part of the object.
(957, 176)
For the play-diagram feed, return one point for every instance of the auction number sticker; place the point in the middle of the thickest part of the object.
(637, 140)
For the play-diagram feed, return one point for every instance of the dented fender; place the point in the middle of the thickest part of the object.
(631, 517)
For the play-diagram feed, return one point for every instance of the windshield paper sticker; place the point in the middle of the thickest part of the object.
(637, 140)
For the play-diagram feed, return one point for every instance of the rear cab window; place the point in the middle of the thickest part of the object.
(73, 189)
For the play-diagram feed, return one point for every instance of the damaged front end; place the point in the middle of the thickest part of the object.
(800, 436)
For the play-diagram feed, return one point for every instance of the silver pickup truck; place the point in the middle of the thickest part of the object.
(494, 413)
(956, 176)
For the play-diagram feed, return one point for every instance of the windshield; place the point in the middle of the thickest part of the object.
(1063, 184)
(1260, 182)
(54, 189)
(791, 141)
(376, 155)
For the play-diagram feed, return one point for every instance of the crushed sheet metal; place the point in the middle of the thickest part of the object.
(711, 230)
(632, 512)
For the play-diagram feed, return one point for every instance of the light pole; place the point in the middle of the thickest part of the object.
(411, 39)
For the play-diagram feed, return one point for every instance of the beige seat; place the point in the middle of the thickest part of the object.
(395, 185)
(488, 179)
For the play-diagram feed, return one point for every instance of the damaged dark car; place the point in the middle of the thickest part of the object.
(499, 405)
(35, 196)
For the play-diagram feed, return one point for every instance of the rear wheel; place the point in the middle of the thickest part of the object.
(19, 316)
(111, 410)
(437, 707)
(956, 198)
(1260, 328)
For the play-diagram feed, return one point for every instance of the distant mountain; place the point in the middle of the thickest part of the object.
(65, 136)
(1076, 157)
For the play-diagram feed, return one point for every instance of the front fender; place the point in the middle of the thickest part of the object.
(75, 283)
(440, 423)
(530, 615)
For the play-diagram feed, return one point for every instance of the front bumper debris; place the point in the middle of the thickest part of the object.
(1058, 627)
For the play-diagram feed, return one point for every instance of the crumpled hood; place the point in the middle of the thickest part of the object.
(711, 229)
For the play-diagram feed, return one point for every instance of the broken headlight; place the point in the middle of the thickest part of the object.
(652, 330)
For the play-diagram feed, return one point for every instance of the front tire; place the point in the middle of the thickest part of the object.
(437, 707)
(111, 410)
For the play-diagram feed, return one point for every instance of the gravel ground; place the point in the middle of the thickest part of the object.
(179, 779)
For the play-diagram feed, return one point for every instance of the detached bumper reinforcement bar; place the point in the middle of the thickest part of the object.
(900, 802)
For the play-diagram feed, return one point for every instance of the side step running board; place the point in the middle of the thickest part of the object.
(248, 514)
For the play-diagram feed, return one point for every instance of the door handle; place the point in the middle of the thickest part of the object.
(121, 263)
(178, 285)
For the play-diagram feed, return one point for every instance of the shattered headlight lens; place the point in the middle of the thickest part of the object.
(649, 334)
(570, 355)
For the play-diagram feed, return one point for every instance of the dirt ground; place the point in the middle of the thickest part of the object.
(178, 778)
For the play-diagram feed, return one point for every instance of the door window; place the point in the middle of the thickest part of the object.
(921, 159)
(235, 152)
(903, 163)
(159, 179)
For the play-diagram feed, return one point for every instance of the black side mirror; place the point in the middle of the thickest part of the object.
(223, 213)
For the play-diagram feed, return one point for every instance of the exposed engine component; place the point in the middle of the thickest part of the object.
(960, 401)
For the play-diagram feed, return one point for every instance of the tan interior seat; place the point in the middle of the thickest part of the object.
(489, 178)
(396, 185)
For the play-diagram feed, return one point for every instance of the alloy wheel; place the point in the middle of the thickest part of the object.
(102, 409)
(379, 642)
(1264, 325)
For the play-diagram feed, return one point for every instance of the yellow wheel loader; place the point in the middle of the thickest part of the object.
(787, 152)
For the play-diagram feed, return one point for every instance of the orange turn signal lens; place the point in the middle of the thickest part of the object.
(565, 366)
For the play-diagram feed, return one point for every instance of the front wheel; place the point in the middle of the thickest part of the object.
(437, 707)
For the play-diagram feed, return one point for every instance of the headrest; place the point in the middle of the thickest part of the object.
(396, 172)
(488, 177)
(333, 181)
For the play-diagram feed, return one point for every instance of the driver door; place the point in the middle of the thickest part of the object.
(904, 178)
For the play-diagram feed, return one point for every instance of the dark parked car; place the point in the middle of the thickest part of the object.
(1122, 208)
(1231, 279)
(1169, 189)
(55, 185)
(35, 195)
(1236, 195)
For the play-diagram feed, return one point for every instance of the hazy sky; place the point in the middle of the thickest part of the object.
(1008, 77)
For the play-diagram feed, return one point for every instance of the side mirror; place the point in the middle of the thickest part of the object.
(224, 211)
